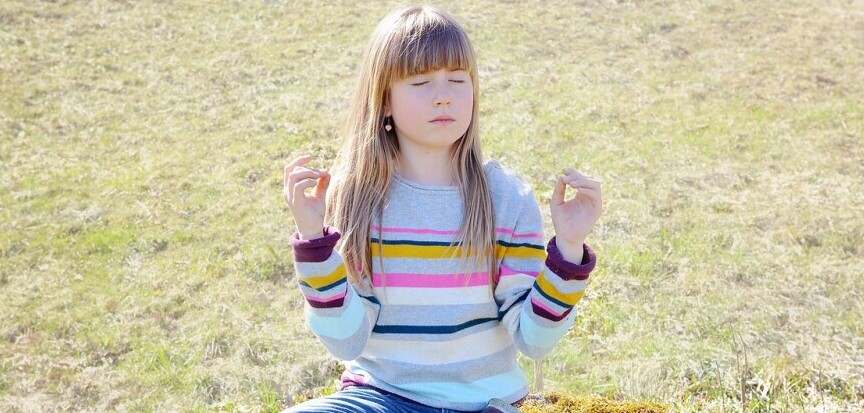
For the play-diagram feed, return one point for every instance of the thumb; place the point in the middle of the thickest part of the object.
(558, 192)
(323, 184)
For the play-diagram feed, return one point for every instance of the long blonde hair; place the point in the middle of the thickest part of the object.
(407, 41)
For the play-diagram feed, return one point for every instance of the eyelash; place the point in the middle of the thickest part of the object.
(423, 83)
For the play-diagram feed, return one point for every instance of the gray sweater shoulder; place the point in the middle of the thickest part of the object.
(510, 194)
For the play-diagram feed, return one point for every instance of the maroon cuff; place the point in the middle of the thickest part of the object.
(315, 250)
(566, 269)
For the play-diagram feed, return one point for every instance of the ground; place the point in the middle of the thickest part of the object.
(144, 259)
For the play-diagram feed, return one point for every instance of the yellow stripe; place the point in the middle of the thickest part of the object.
(520, 252)
(324, 280)
(569, 298)
(440, 251)
(416, 251)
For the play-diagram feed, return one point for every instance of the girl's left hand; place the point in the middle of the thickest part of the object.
(574, 219)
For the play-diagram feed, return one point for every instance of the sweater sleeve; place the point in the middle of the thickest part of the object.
(338, 315)
(537, 290)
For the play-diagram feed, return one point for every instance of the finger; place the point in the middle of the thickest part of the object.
(579, 175)
(300, 160)
(574, 173)
(571, 171)
(323, 183)
(577, 181)
(583, 183)
(296, 162)
(593, 194)
(300, 174)
(291, 193)
(300, 187)
(289, 196)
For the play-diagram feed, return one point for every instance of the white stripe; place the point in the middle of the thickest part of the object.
(425, 265)
(318, 269)
(467, 348)
(521, 282)
(341, 327)
(480, 294)
(474, 392)
(536, 335)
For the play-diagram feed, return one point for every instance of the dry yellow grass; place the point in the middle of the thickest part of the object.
(144, 262)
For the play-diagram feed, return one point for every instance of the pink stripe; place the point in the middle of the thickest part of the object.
(515, 235)
(543, 306)
(326, 300)
(429, 280)
(504, 271)
(414, 230)
(449, 232)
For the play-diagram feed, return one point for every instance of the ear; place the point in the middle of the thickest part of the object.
(386, 105)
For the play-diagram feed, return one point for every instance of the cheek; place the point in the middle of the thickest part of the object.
(399, 103)
(406, 99)
(468, 98)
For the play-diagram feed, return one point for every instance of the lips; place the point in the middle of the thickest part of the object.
(442, 120)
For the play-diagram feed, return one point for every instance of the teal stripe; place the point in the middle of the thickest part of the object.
(408, 329)
(549, 297)
(542, 337)
(342, 326)
(521, 299)
(409, 242)
(514, 245)
(326, 287)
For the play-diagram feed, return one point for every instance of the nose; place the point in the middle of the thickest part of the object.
(442, 95)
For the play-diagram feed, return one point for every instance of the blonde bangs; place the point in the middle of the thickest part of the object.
(428, 43)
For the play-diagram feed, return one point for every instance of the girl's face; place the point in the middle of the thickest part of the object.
(433, 109)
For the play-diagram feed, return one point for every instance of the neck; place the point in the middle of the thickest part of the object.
(427, 166)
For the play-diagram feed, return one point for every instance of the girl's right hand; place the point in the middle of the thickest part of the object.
(308, 210)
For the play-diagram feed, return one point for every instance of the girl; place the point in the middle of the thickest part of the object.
(432, 272)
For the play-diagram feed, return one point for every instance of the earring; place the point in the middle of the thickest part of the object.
(387, 126)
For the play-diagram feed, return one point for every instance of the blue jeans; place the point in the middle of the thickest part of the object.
(362, 399)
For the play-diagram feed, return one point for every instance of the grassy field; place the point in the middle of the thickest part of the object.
(144, 263)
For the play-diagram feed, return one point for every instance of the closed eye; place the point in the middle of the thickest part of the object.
(458, 81)
(419, 84)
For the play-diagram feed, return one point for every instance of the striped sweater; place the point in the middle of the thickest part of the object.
(423, 333)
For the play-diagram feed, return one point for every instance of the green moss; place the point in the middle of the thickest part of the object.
(554, 402)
